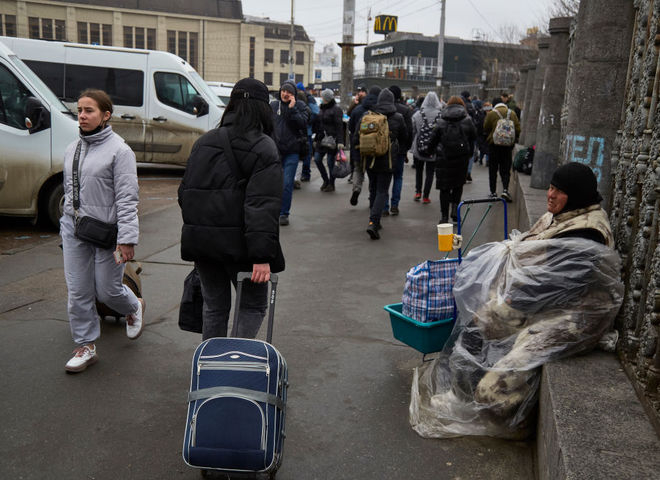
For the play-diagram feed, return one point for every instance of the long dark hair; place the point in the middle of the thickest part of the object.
(250, 114)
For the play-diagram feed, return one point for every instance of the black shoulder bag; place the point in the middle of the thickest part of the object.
(89, 229)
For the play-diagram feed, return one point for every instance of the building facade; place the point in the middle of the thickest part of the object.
(214, 37)
(413, 57)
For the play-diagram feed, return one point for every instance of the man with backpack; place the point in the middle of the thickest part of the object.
(502, 129)
(381, 131)
(368, 103)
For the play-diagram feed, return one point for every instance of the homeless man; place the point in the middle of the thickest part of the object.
(546, 294)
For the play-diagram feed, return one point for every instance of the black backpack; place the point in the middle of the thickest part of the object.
(424, 135)
(454, 141)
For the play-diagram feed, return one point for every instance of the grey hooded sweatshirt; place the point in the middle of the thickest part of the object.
(432, 107)
(108, 182)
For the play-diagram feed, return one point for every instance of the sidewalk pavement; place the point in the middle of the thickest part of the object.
(347, 415)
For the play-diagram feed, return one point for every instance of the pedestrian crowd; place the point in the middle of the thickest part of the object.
(238, 187)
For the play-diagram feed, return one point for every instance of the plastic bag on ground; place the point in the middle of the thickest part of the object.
(520, 304)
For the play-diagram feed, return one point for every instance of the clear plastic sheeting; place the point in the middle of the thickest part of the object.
(520, 304)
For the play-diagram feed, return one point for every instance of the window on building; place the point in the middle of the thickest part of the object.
(268, 78)
(284, 56)
(128, 37)
(192, 49)
(82, 32)
(8, 25)
(300, 58)
(94, 33)
(171, 41)
(107, 34)
(47, 28)
(269, 55)
(139, 37)
(176, 91)
(252, 46)
(299, 77)
(33, 27)
(283, 77)
(151, 38)
(183, 45)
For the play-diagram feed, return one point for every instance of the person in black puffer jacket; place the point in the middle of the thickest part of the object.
(456, 134)
(328, 123)
(230, 210)
(379, 169)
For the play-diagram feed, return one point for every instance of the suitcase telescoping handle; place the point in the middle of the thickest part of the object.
(271, 302)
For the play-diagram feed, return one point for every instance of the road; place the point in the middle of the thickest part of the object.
(347, 414)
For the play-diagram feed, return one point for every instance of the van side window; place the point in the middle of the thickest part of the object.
(175, 90)
(124, 86)
(13, 97)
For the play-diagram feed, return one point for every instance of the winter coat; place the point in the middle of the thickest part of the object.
(108, 182)
(451, 171)
(431, 108)
(329, 122)
(290, 125)
(397, 128)
(491, 121)
(479, 118)
(590, 223)
(227, 219)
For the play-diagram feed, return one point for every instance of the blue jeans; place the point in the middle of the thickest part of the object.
(325, 175)
(397, 182)
(289, 165)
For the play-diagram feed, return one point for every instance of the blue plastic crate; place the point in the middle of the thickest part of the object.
(424, 337)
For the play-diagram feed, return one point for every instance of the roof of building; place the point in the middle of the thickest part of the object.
(399, 36)
(278, 30)
(232, 9)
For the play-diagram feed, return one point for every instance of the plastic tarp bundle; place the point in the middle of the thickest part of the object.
(520, 304)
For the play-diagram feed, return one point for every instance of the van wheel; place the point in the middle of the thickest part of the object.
(54, 205)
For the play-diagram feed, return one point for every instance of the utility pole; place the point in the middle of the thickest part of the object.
(441, 48)
(346, 86)
(368, 20)
(291, 75)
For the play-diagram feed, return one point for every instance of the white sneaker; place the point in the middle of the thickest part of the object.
(134, 322)
(505, 195)
(82, 358)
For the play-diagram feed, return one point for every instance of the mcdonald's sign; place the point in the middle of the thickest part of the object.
(385, 24)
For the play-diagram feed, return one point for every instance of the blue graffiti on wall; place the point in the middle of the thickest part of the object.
(587, 150)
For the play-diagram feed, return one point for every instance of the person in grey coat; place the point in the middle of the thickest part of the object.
(429, 113)
(108, 182)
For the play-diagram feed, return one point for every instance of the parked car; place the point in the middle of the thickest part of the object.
(222, 90)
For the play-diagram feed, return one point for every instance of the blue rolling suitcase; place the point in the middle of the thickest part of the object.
(237, 401)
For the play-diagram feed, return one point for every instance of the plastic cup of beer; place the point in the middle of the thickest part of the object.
(445, 237)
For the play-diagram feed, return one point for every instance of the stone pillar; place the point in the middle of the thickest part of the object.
(600, 51)
(519, 94)
(533, 107)
(526, 107)
(548, 130)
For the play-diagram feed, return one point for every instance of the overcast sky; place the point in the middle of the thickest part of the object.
(465, 18)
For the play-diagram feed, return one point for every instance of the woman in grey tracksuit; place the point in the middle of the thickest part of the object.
(109, 193)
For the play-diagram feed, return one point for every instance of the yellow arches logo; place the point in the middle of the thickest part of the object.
(385, 24)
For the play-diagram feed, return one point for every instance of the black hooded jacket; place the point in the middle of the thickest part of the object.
(228, 219)
(452, 170)
(290, 124)
(329, 121)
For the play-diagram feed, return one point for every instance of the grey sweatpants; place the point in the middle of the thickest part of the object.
(91, 273)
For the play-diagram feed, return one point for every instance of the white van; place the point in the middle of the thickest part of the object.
(222, 90)
(161, 104)
(35, 129)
